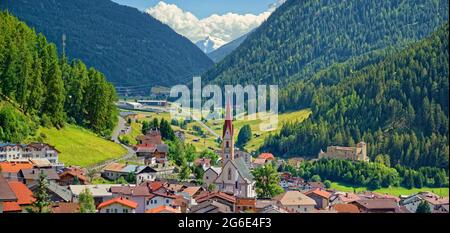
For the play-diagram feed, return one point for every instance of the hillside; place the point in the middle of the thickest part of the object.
(398, 105)
(43, 88)
(304, 36)
(79, 146)
(223, 51)
(128, 46)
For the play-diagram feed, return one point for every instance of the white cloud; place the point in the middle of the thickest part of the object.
(225, 27)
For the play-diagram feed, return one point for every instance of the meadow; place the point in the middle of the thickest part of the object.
(80, 146)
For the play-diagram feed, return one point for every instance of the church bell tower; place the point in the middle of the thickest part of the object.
(227, 136)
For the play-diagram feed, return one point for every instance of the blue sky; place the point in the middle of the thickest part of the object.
(205, 8)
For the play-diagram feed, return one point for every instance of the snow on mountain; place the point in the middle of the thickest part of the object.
(210, 44)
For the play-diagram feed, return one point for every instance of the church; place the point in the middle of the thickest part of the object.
(234, 177)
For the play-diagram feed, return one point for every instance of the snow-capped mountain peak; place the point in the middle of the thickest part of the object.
(210, 44)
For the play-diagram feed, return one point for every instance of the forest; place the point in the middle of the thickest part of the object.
(129, 46)
(373, 175)
(398, 106)
(303, 37)
(40, 88)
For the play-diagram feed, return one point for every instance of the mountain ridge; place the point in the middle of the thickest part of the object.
(130, 47)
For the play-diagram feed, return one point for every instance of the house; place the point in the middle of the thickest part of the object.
(113, 171)
(117, 205)
(266, 156)
(357, 153)
(56, 192)
(346, 208)
(306, 186)
(219, 197)
(30, 177)
(259, 162)
(321, 197)
(160, 197)
(73, 175)
(152, 137)
(139, 173)
(139, 194)
(295, 202)
(9, 151)
(100, 192)
(343, 198)
(437, 204)
(41, 163)
(273, 209)
(24, 198)
(6, 194)
(260, 204)
(65, 208)
(245, 205)
(183, 202)
(211, 175)
(377, 206)
(193, 191)
(10, 170)
(152, 153)
(205, 163)
(163, 210)
(211, 206)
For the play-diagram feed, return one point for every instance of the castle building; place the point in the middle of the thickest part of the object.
(357, 153)
(234, 177)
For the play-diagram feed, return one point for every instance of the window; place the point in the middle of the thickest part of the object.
(229, 173)
(236, 184)
(167, 201)
(125, 210)
(227, 144)
(115, 211)
(107, 211)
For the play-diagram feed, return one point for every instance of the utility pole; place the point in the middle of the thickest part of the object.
(64, 45)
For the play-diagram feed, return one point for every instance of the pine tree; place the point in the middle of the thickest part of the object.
(423, 207)
(42, 197)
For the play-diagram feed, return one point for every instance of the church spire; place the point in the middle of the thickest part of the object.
(227, 136)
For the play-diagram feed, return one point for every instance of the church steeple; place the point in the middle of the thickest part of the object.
(228, 135)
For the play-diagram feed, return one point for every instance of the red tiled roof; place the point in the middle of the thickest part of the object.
(63, 207)
(119, 200)
(161, 209)
(267, 156)
(245, 202)
(23, 193)
(11, 207)
(14, 167)
(74, 173)
(346, 208)
(153, 185)
(319, 192)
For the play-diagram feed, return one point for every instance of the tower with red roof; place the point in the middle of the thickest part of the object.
(228, 135)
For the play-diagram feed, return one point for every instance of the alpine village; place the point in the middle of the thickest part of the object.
(85, 123)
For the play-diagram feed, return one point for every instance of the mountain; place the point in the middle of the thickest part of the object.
(209, 44)
(220, 53)
(398, 105)
(130, 47)
(303, 37)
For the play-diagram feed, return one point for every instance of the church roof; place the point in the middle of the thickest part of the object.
(239, 163)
